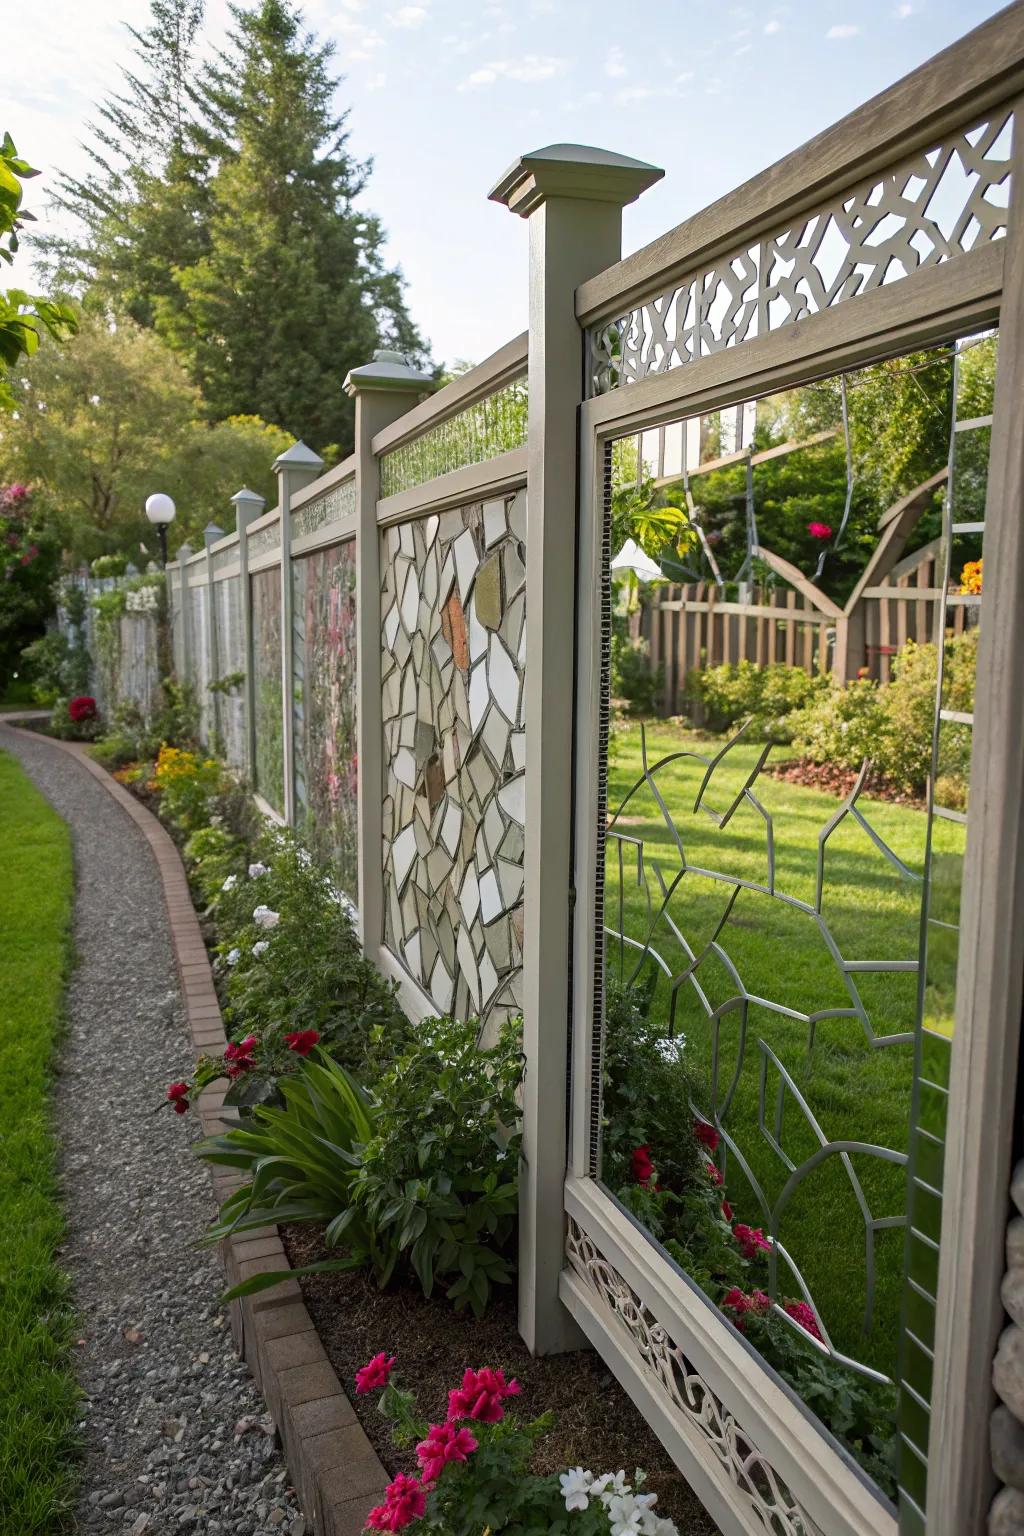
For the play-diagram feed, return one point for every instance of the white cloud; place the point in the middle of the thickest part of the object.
(614, 64)
(903, 11)
(771, 27)
(842, 30)
(529, 69)
(408, 16)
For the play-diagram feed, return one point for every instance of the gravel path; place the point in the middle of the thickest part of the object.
(174, 1429)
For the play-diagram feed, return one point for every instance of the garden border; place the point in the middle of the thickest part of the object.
(335, 1469)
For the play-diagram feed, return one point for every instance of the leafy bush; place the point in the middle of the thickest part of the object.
(76, 719)
(109, 565)
(768, 696)
(475, 1470)
(213, 855)
(842, 726)
(633, 678)
(441, 1170)
(187, 783)
(56, 667)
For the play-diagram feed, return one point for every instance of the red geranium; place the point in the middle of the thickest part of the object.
(301, 1041)
(751, 1240)
(801, 1313)
(177, 1095)
(374, 1373)
(480, 1396)
(819, 530)
(706, 1135)
(640, 1162)
(727, 1210)
(239, 1057)
(82, 708)
(714, 1173)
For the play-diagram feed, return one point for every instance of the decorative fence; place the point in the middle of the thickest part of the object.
(409, 658)
(124, 641)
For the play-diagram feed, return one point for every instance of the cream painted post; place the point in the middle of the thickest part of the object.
(573, 197)
(248, 507)
(383, 390)
(211, 533)
(184, 556)
(295, 468)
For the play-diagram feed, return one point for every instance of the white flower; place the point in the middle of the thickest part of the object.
(255, 870)
(266, 917)
(610, 1486)
(260, 947)
(233, 956)
(230, 883)
(575, 1485)
(671, 1049)
(654, 1525)
(629, 1512)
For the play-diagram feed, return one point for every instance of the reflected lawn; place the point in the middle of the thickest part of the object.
(772, 947)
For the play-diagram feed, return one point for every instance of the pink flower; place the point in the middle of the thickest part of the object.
(801, 1313)
(444, 1443)
(819, 530)
(374, 1374)
(480, 1396)
(405, 1499)
(714, 1173)
(706, 1135)
(751, 1240)
(738, 1303)
(727, 1210)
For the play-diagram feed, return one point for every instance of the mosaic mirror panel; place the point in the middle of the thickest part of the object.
(326, 756)
(482, 431)
(265, 587)
(778, 911)
(932, 207)
(453, 634)
(231, 655)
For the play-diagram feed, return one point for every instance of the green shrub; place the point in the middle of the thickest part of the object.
(768, 696)
(56, 667)
(841, 726)
(908, 706)
(69, 724)
(109, 565)
(213, 855)
(633, 679)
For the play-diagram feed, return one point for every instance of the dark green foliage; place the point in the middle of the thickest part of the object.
(633, 678)
(729, 694)
(29, 556)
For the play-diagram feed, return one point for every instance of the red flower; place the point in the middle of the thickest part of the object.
(405, 1499)
(82, 708)
(801, 1313)
(751, 1240)
(727, 1210)
(819, 530)
(374, 1373)
(177, 1094)
(640, 1162)
(239, 1057)
(714, 1173)
(301, 1041)
(706, 1135)
(444, 1443)
(480, 1396)
(737, 1302)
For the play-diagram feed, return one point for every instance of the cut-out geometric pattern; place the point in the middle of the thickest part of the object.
(932, 207)
(453, 612)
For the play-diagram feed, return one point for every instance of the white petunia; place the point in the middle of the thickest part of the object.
(230, 883)
(629, 1512)
(255, 870)
(260, 947)
(610, 1486)
(233, 956)
(266, 917)
(671, 1049)
(654, 1525)
(575, 1485)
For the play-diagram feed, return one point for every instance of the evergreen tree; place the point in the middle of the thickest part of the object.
(292, 290)
(141, 209)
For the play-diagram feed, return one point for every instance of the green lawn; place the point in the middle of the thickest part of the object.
(38, 1396)
(854, 1090)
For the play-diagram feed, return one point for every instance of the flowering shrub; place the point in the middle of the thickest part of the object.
(28, 564)
(819, 531)
(76, 719)
(474, 1470)
(82, 708)
(213, 855)
(971, 578)
(187, 784)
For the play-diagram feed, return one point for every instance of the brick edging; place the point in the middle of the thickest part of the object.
(336, 1471)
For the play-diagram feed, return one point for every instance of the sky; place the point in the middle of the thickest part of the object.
(445, 94)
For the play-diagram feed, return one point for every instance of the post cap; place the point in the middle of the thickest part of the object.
(247, 498)
(211, 533)
(572, 170)
(389, 370)
(184, 553)
(298, 456)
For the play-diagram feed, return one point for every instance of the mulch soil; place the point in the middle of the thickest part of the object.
(596, 1425)
(833, 780)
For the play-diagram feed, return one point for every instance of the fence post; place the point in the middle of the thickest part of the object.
(382, 390)
(184, 556)
(211, 533)
(572, 197)
(248, 507)
(294, 468)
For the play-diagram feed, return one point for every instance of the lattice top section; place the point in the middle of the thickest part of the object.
(264, 540)
(337, 502)
(485, 429)
(937, 204)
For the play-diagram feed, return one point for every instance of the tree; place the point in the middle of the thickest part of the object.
(111, 417)
(24, 319)
(29, 555)
(142, 207)
(292, 291)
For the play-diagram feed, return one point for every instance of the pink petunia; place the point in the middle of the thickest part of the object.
(480, 1396)
(801, 1313)
(751, 1240)
(444, 1443)
(375, 1373)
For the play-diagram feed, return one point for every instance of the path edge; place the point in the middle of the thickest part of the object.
(335, 1469)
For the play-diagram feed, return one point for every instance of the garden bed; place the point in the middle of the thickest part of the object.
(595, 1426)
(831, 779)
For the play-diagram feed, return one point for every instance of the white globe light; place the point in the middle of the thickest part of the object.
(160, 508)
